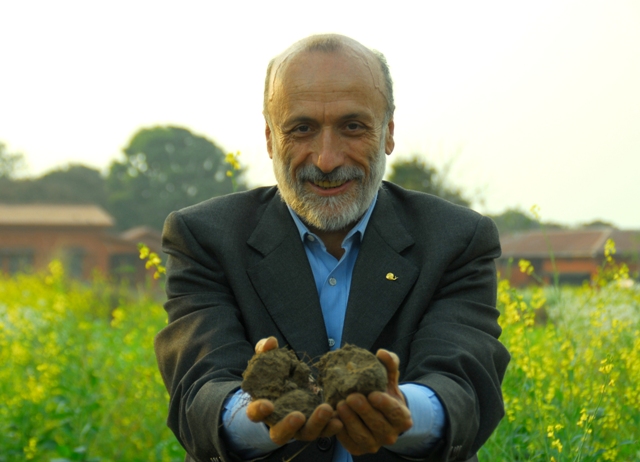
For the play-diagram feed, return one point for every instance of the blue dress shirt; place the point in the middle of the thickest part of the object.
(333, 282)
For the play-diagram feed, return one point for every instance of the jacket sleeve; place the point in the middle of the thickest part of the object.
(203, 350)
(455, 350)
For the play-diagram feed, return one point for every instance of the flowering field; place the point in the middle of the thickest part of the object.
(572, 388)
(79, 380)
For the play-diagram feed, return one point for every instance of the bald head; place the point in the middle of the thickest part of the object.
(332, 44)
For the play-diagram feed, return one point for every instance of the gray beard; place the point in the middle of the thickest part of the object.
(329, 213)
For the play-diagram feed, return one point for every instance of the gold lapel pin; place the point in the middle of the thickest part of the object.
(391, 277)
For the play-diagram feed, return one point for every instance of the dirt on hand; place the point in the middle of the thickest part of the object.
(279, 376)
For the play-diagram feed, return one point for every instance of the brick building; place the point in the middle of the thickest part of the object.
(576, 253)
(31, 235)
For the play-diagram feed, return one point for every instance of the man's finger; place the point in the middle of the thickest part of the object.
(286, 429)
(391, 363)
(259, 410)
(266, 344)
(359, 434)
(333, 428)
(348, 443)
(320, 423)
(379, 427)
(394, 411)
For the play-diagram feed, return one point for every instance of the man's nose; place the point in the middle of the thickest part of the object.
(330, 151)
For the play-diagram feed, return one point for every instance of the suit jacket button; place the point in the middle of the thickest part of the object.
(324, 443)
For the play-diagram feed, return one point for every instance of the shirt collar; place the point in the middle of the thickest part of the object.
(360, 227)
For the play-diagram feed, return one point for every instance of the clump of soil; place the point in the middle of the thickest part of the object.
(279, 376)
(350, 370)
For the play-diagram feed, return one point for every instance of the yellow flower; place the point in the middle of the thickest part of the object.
(144, 251)
(525, 267)
(605, 367)
(232, 159)
(535, 211)
(31, 449)
(118, 316)
(153, 261)
(609, 248)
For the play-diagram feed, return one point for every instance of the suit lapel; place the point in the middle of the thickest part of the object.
(382, 277)
(284, 281)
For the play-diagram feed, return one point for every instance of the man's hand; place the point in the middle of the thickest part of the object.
(376, 420)
(322, 422)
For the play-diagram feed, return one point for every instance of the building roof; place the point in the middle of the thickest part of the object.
(53, 215)
(568, 243)
(140, 232)
(149, 236)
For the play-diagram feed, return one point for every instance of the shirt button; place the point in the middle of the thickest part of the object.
(324, 443)
(331, 342)
(332, 281)
(310, 238)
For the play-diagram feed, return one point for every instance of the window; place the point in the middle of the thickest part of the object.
(14, 261)
(123, 265)
(573, 279)
(73, 261)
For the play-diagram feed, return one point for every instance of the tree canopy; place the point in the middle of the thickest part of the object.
(515, 220)
(598, 224)
(10, 163)
(74, 184)
(416, 174)
(165, 169)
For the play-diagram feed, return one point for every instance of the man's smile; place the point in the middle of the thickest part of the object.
(328, 188)
(329, 184)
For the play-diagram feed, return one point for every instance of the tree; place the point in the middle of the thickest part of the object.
(165, 169)
(10, 163)
(74, 184)
(417, 175)
(598, 224)
(515, 220)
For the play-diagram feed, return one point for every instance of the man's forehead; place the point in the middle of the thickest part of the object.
(332, 43)
(349, 56)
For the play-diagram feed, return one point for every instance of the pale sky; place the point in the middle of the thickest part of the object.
(534, 102)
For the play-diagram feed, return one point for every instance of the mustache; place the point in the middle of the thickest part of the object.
(344, 173)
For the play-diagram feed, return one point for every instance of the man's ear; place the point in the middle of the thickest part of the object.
(389, 142)
(267, 134)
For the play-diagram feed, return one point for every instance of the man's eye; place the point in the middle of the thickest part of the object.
(302, 129)
(353, 126)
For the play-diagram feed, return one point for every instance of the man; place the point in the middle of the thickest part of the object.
(331, 256)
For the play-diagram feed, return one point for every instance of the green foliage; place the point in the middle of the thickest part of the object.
(10, 163)
(598, 224)
(514, 220)
(165, 169)
(571, 390)
(74, 184)
(79, 379)
(416, 174)
(80, 383)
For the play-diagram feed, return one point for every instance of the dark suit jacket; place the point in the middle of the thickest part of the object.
(237, 272)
